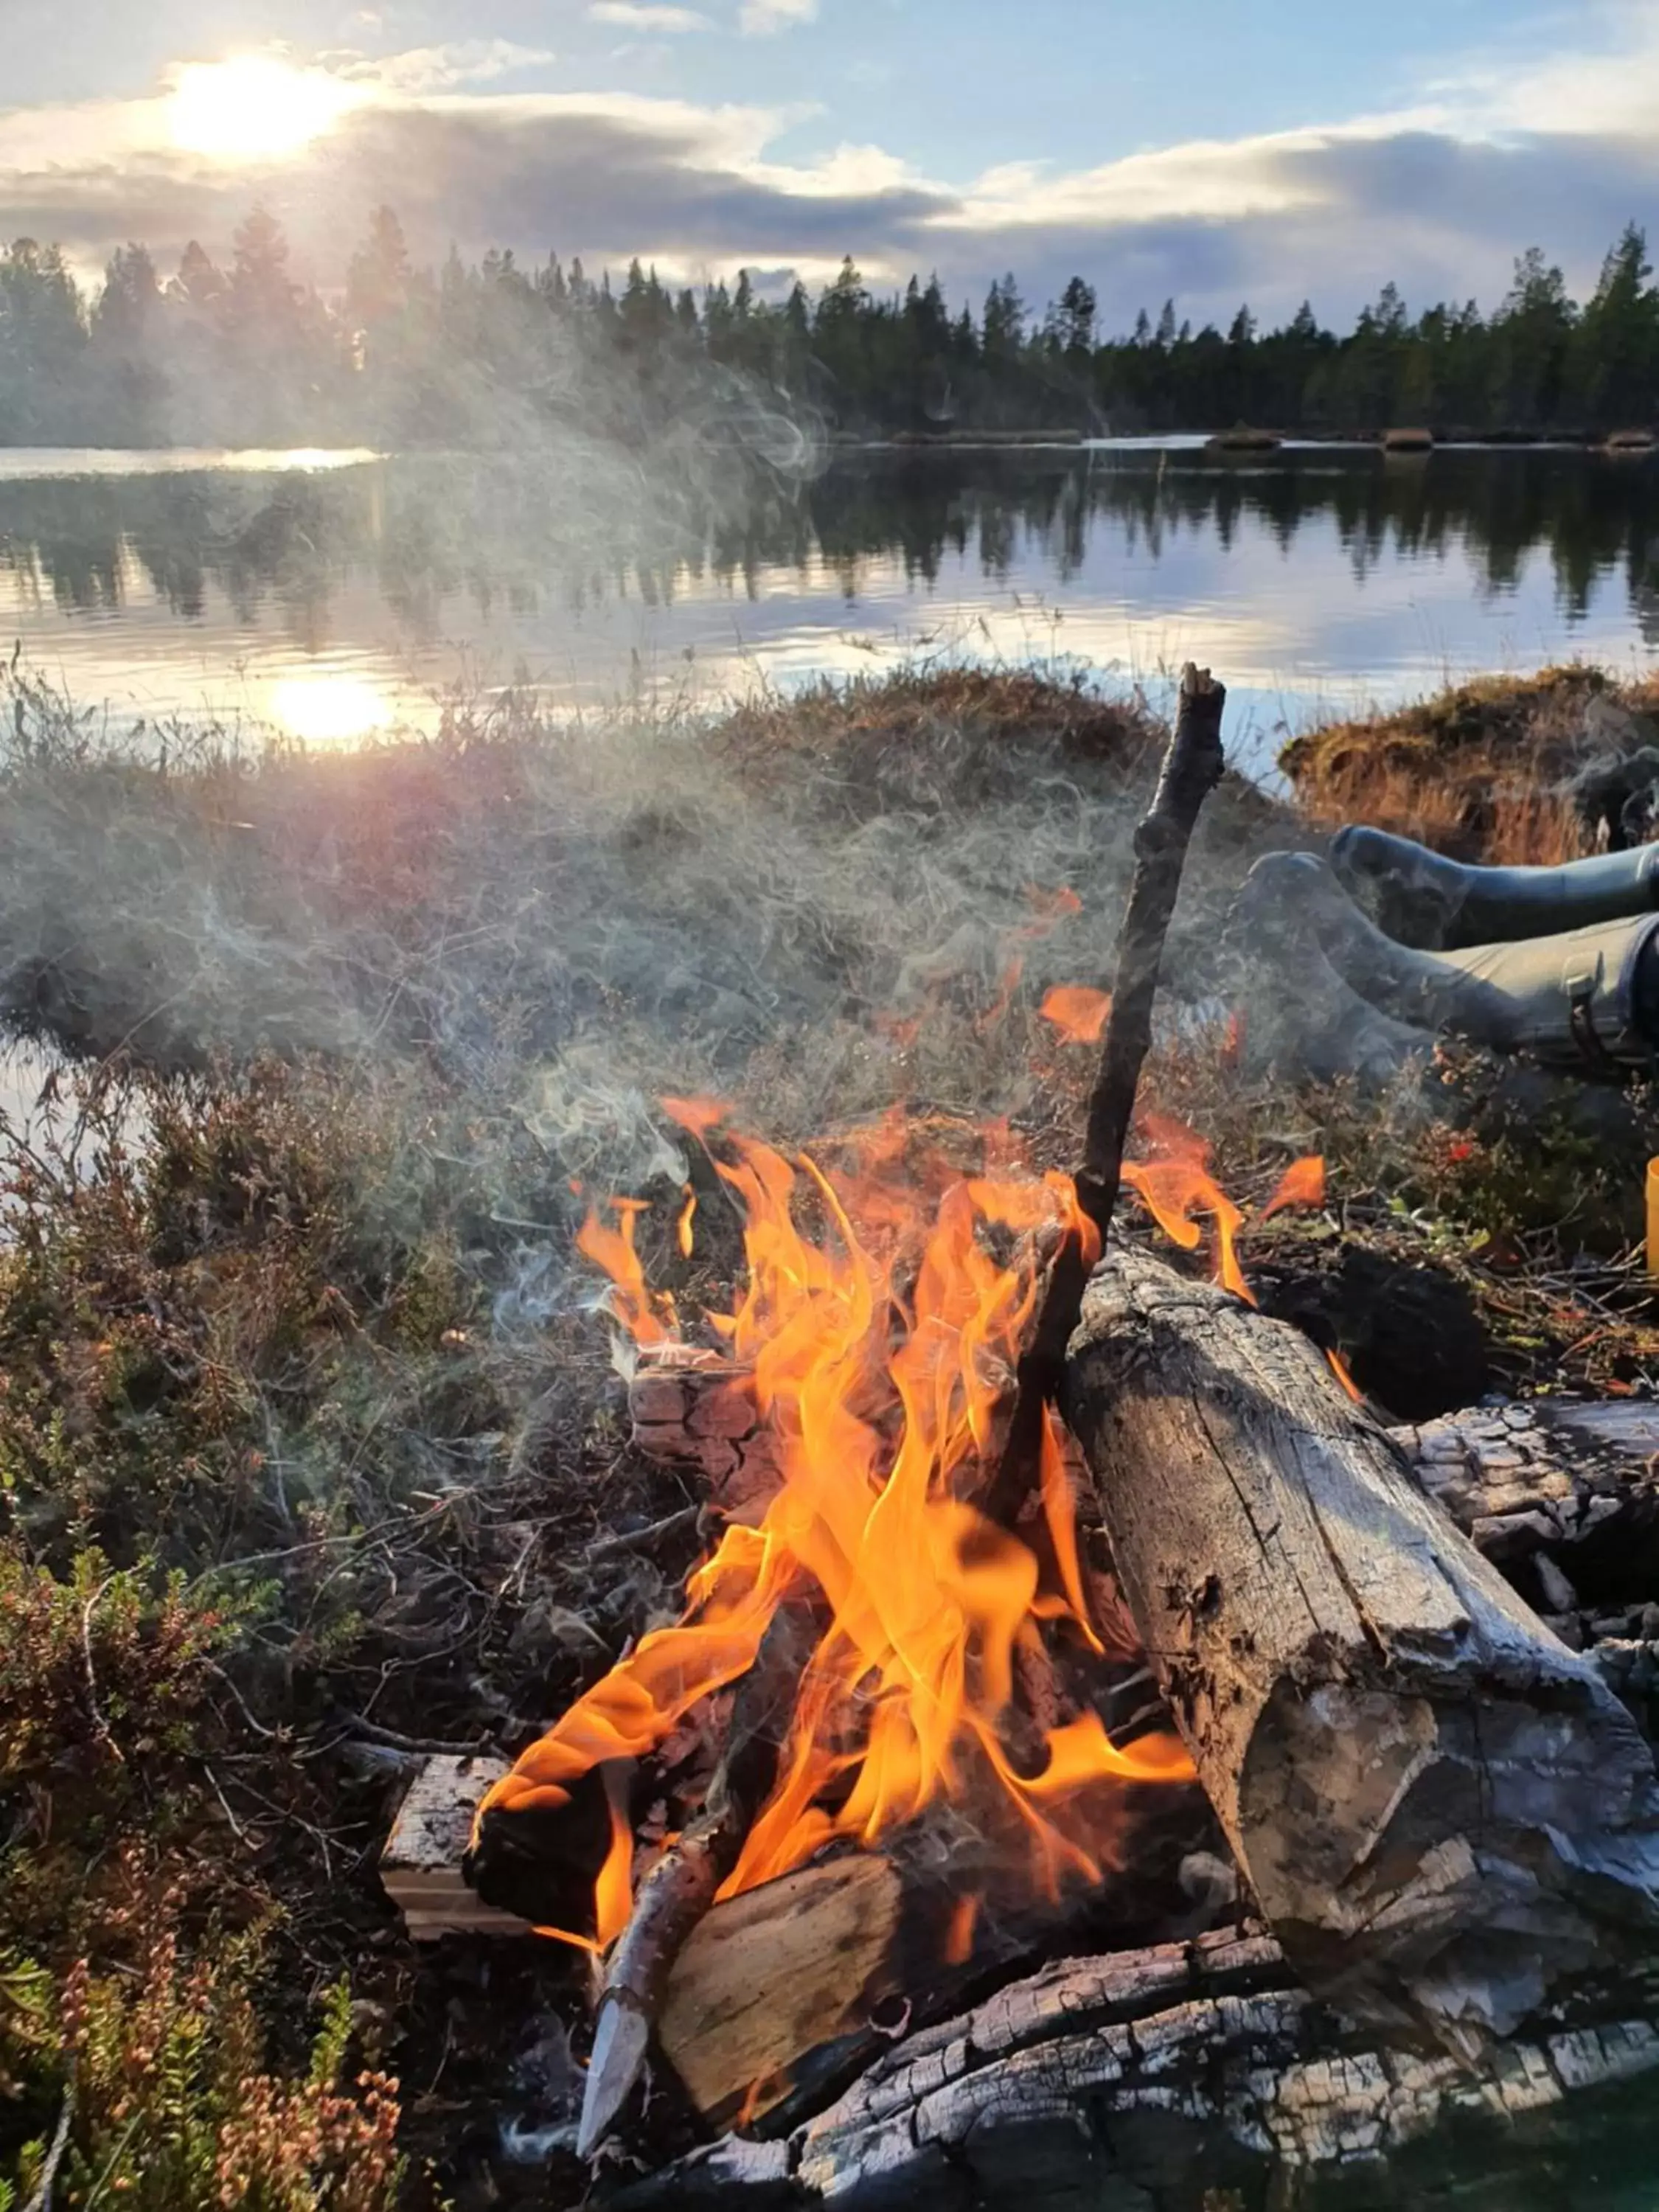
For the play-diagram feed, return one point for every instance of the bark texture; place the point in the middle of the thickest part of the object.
(1444, 1814)
(1193, 2076)
(1562, 1497)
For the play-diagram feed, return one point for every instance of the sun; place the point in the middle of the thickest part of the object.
(254, 107)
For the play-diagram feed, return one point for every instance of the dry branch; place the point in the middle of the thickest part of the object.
(1443, 1811)
(681, 1887)
(1192, 768)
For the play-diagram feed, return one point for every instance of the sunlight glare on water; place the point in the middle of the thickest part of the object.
(329, 710)
(334, 597)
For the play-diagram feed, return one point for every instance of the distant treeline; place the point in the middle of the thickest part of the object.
(244, 354)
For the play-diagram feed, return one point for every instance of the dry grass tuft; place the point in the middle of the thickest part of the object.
(1482, 771)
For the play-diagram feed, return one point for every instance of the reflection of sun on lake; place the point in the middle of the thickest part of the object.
(329, 710)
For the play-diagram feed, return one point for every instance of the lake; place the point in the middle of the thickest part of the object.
(332, 596)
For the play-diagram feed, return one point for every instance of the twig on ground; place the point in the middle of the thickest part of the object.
(100, 1723)
(439, 1747)
(42, 2199)
(644, 1540)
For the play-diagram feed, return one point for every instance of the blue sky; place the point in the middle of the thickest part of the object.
(1198, 147)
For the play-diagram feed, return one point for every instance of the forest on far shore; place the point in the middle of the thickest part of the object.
(396, 355)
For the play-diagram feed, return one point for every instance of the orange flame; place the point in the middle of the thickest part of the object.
(1006, 987)
(1079, 1013)
(1340, 1369)
(1176, 1183)
(1303, 1183)
(881, 1346)
(882, 1338)
(613, 1249)
(959, 1936)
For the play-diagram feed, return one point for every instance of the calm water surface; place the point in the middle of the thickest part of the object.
(336, 595)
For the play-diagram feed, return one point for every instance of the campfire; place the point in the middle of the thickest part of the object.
(1044, 1574)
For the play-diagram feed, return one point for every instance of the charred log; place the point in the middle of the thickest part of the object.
(1175, 2080)
(1563, 1498)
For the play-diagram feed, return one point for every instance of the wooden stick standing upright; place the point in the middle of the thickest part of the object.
(1192, 768)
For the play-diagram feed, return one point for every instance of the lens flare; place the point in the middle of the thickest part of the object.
(253, 108)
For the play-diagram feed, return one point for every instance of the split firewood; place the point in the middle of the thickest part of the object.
(1444, 1812)
(421, 1862)
(681, 1887)
(1171, 2078)
(780, 1975)
(784, 1993)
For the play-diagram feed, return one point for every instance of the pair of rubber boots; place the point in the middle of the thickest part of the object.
(1560, 963)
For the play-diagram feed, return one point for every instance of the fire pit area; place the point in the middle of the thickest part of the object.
(698, 1512)
(1103, 1757)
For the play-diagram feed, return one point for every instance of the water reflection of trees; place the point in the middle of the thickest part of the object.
(428, 530)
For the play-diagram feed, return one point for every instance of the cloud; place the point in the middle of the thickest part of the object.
(633, 16)
(760, 18)
(424, 69)
(1439, 196)
(1603, 83)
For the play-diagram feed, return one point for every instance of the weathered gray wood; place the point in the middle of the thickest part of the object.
(1147, 2080)
(1444, 1812)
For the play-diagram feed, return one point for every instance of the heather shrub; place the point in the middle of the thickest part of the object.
(148, 2087)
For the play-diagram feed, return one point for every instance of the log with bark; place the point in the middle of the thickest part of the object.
(1561, 1495)
(1445, 1815)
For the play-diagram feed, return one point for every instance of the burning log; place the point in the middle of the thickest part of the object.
(1165, 2078)
(695, 1412)
(1444, 1812)
(1554, 1484)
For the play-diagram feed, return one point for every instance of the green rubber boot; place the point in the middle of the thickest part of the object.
(1298, 1017)
(1422, 898)
(1584, 999)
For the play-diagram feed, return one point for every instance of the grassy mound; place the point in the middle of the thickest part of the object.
(1491, 770)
